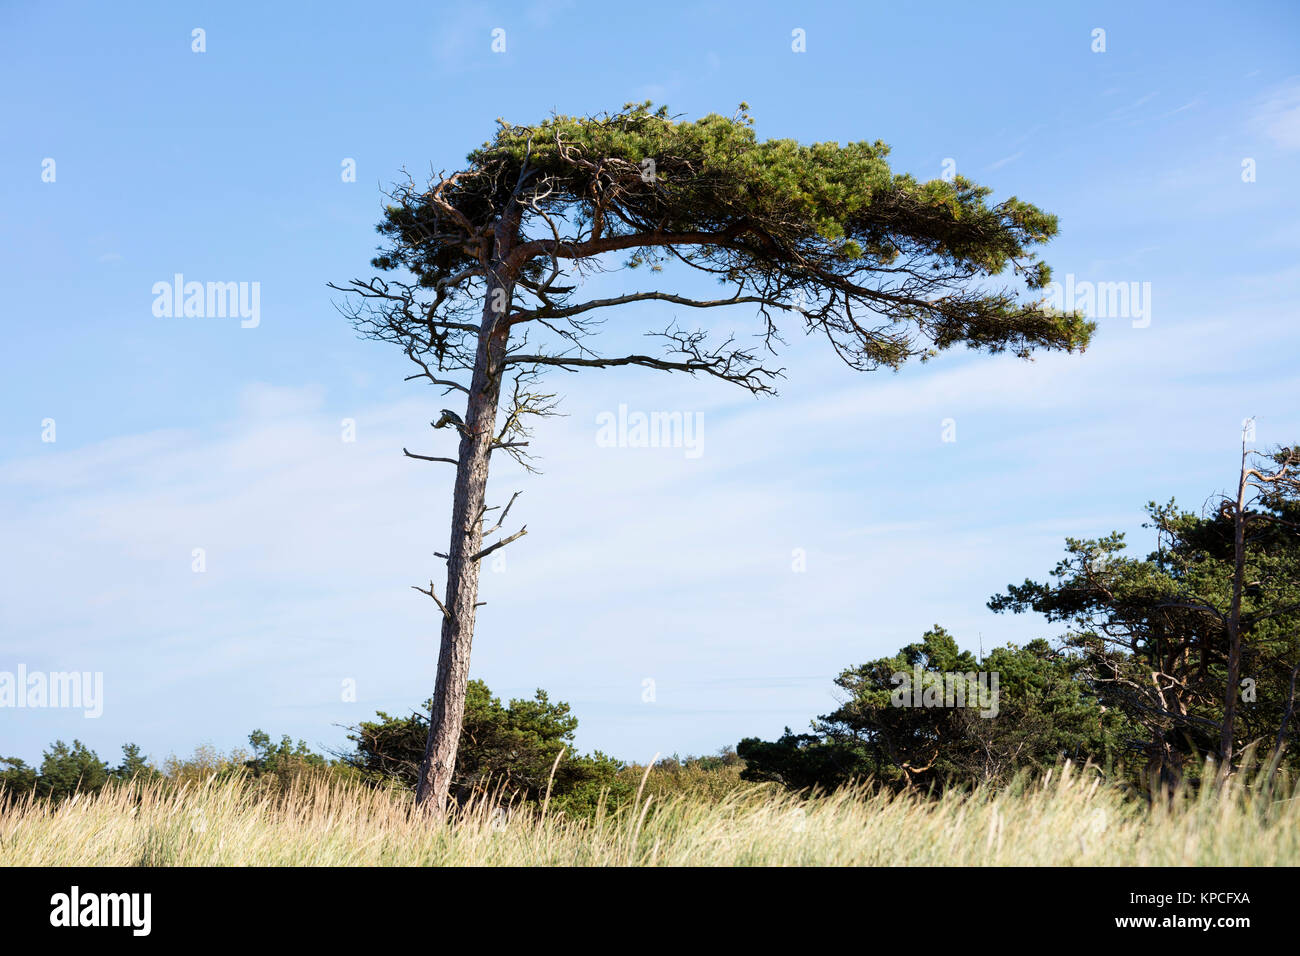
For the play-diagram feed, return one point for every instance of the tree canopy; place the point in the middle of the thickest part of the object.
(885, 266)
(512, 747)
(1151, 632)
(1043, 714)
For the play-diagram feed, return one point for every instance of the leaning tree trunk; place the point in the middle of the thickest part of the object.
(448, 711)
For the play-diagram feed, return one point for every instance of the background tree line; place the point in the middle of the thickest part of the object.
(1189, 652)
(506, 748)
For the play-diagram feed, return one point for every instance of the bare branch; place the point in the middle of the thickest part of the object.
(450, 461)
(430, 592)
(500, 544)
(501, 520)
(566, 311)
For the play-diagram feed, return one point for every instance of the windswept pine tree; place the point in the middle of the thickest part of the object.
(483, 272)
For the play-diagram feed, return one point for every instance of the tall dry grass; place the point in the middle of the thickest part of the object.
(1069, 818)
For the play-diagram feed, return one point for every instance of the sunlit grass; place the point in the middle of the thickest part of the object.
(1068, 818)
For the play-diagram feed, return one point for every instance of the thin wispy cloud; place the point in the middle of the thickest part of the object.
(1278, 116)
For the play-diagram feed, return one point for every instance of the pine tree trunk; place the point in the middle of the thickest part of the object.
(1228, 736)
(448, 711)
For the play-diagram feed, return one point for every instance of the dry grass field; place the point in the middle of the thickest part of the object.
(1066, 818)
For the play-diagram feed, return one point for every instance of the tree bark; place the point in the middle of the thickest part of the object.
(448, 710)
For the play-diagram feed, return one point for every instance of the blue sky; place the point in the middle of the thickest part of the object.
(640, 564)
